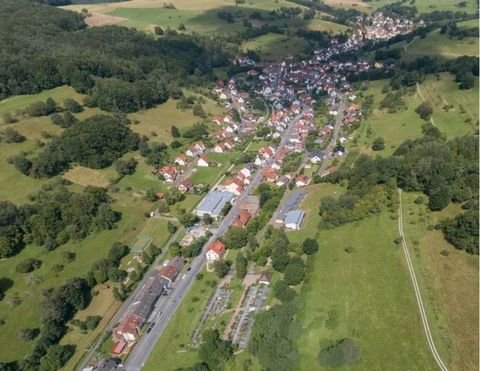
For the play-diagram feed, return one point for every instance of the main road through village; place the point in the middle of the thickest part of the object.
(167, 305)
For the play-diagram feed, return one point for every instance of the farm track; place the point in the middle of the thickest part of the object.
(418, 295)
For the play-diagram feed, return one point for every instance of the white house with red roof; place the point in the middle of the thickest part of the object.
(169, 173)
(181, 160)
(215, 251)
(202, 161)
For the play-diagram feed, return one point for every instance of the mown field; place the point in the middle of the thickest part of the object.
(273, 46)
(364, 295)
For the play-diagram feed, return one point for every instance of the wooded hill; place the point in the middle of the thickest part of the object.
(44, 47)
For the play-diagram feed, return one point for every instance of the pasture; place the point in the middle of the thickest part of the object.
(364, 295)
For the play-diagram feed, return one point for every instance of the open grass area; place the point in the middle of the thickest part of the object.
(367, 292)
(85, 176)
(450, 284)
(273, 46)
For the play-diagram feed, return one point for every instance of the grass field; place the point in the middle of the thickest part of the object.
(160, 119)
(450, 284)
(368, 291)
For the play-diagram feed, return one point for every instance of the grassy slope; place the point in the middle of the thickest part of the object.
(274, 46)
(450, 284)
(397, 127)
(369, 291)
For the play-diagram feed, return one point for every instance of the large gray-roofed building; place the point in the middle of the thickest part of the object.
(292, 203)
(293, 219)
(213, 203)
(149, 295)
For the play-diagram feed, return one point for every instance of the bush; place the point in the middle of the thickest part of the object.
(342, 352)
(72, 105)
(28, 265)
(91, 322)
(12, 136)
(378, 144)
(310, 246)
(424, 110)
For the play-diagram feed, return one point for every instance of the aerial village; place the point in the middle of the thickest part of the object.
(295, 144)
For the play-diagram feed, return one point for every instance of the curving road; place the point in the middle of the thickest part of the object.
(416, 288)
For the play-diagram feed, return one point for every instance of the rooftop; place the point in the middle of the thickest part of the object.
(294, 217)
(214, 202)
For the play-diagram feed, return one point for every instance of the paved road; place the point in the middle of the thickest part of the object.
(336, 132)
(416, 288)
(126, 304)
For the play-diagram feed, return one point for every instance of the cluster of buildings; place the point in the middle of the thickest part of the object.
(157, 284)
(383, 27)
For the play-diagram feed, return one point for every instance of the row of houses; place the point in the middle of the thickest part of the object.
(157, 284)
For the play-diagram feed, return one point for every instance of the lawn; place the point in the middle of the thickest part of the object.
(450, 284)
(368, 292)
(273, 46)
(85, 176)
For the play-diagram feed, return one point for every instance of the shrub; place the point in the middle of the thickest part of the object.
(28, 265)
(342, 352)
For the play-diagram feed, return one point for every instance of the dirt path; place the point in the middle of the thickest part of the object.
(416, 288)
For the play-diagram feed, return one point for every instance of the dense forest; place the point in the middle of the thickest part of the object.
(445, 171)
(44, 47)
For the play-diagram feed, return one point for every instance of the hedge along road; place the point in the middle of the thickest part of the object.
(416, 288)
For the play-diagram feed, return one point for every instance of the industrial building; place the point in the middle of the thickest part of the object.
(213, 203)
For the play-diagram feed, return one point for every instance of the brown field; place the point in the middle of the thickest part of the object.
(98, 19)
(87, 177)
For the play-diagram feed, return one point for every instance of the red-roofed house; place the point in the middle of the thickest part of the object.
(301, 180)
(202, 161)
(181, 160)
(270, 174)
(215, 251)
(128, 329)
(185, 185)
(242, 219)
(169, 173)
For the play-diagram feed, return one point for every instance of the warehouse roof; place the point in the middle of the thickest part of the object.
(214, 202)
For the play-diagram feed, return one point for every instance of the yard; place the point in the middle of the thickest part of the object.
(364, 295)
